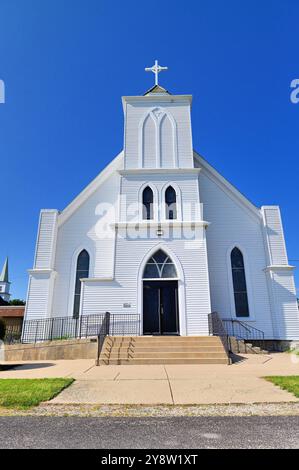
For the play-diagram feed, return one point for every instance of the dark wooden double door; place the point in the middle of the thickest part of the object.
(160, 308)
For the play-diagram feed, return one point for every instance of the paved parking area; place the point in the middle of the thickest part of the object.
(241, 382)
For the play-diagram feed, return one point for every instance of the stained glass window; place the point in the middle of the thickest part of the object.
(239, 283)
(81, 272)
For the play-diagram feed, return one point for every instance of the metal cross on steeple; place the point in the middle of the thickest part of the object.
(156, 69)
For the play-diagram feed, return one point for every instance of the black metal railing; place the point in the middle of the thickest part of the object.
(244, 331)
(117, 325)
(59, 328)
(124, 324)
(216, 328)
(13, 332)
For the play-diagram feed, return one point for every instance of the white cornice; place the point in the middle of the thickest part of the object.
(162, 223)
(159, 171)
(154, 98)
(279, 267)
(96, 279)
(42, 271)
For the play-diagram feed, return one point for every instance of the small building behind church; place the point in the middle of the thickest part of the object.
(4, 283)
(161, 235)
(11, 314)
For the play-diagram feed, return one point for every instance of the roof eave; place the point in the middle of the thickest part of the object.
(163, 97)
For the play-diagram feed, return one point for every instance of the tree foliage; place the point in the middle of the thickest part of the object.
(16, 302)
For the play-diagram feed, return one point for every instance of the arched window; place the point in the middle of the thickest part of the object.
(170, 203)
(147, 203)
(239, 283)
(81, 272)
(159, 266)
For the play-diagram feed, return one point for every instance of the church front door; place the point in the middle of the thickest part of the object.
(160, 308)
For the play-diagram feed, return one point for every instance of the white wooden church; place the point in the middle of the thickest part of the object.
(160, 233)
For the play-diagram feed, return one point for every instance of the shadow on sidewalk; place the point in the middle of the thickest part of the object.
(36, 365)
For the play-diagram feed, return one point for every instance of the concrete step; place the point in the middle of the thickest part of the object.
(163, 360)
(245, 346)
(155, 355)
(161, 349)
(162, 338)
(184, 343)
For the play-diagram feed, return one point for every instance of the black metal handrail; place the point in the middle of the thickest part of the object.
(60, 328)
(216, 328)
(244, 331)
(104, 331)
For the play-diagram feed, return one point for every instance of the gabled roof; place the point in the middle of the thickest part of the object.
(4, 273)
(115, 164)
(227, 186)
(156, 89)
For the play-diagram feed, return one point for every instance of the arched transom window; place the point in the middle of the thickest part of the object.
(159, 266)
(239, 283)
(170, 203)
(82, 270)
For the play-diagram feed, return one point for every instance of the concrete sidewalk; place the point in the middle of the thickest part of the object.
(167, 384)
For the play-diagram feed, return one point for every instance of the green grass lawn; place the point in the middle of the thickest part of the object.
(24, 393)
(289, 383)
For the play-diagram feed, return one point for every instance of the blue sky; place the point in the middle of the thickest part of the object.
(67, 63)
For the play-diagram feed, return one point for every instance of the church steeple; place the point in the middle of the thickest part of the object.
(4, 282)
(4, 273)
(158, 133)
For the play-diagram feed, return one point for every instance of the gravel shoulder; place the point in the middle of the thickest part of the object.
(258, 409)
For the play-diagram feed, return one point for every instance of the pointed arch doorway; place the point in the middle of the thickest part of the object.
(160, 296)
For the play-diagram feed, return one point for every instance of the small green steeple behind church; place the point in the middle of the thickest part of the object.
(4, 273)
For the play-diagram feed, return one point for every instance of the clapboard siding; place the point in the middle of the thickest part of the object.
(188, 194)
(286, 314)
(135, 117)
(275, 236)
(149, 144)
(124, 289)
(46, 239)
(38, 297)
(86, 228)
(232, 225)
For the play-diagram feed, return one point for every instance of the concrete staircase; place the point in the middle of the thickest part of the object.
(162, 350)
